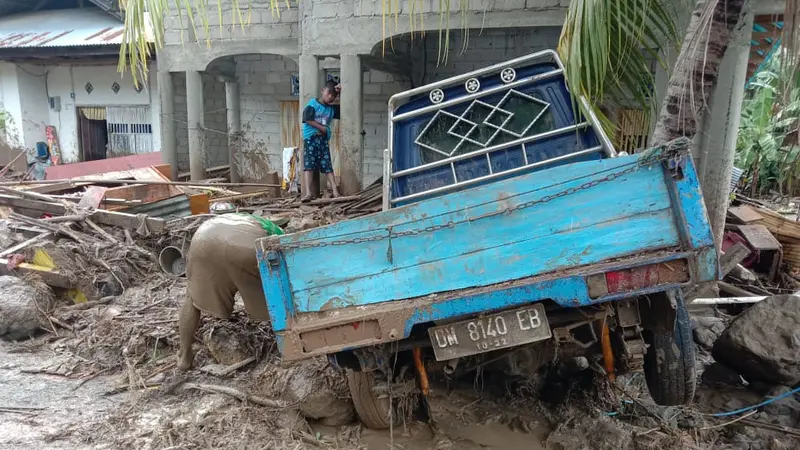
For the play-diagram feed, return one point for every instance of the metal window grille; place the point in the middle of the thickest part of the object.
(129, 129)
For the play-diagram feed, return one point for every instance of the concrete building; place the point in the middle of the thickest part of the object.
(246, 85)
(251, 82)
(59, 84)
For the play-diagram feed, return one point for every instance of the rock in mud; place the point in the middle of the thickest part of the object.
(763, 343)
(787, 406)
(21, 308)
(590, 433)
(226, 347)
(706, 330)
(303, 222)
(319, 391)
(719, 376)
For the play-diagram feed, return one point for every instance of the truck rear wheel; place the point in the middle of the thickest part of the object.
(669, 364)
(373, 410)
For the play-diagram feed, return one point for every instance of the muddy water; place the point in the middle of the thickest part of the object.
(463, 421)
(452, 434)
(36, 410)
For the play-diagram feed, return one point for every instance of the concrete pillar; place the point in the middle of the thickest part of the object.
(234, 126)
(196, 118)
(169, 137)
(721, 126)
(309, 88)
(351, 148)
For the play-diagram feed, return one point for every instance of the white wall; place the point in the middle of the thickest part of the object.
(33, 102)
(11, 103)
(69, 83)
(26, 87)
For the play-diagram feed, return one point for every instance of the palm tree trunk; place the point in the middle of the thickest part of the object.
(695, 74)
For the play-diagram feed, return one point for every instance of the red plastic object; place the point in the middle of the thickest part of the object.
(731, 238)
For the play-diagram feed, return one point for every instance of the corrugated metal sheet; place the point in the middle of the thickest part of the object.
(171, 208)
(60, 28)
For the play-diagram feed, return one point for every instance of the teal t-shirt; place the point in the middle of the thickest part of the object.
(323, 115)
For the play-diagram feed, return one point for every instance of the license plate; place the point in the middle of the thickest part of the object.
(491, 332)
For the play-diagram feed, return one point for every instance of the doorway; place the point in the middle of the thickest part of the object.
(92, 133)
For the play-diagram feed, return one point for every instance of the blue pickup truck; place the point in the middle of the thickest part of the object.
(510, 227)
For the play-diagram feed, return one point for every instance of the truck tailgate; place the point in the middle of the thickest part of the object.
(537, 223)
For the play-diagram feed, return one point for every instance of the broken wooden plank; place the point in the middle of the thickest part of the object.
(65, 230)
(25, 244)
(93, 197)
(199, 204)
(130, 221)
(258, 193)
(57, 187)
(732, 257)
(164, 169)
(327, 201)
(781, 227)
(50, 276)
(42, 207)
(146, 193)
(117, 219)
(26, 194)
(744, 214)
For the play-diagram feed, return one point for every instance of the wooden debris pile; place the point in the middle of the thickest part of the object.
(761, 252)
(97, 234)
(290, 213)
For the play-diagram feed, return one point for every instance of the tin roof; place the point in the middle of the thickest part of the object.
(60, 28)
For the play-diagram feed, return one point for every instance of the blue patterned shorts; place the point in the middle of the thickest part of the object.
(317, 154)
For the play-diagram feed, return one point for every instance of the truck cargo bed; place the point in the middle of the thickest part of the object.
(566, 218)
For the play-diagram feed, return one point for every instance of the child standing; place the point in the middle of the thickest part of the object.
(317, 118)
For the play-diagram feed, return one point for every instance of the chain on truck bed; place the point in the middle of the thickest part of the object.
(671, 152)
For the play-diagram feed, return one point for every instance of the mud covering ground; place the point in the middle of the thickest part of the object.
(107, 381)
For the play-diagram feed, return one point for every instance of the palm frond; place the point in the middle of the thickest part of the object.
(608, 47)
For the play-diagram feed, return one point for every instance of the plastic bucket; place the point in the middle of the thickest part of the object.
(172, 261)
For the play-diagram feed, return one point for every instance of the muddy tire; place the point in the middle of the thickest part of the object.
(374, 412)
(669, 364)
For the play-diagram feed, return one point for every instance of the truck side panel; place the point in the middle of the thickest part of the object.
(486, 245)
(395, 320)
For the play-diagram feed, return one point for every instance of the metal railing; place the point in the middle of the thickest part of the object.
(507, 72)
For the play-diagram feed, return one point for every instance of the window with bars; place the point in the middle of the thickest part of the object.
(129, 129)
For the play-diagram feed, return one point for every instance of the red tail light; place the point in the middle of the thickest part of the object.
(669, 272)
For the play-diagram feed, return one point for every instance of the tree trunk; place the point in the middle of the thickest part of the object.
(696, 71)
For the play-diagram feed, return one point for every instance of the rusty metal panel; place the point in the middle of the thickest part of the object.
(351, 333)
